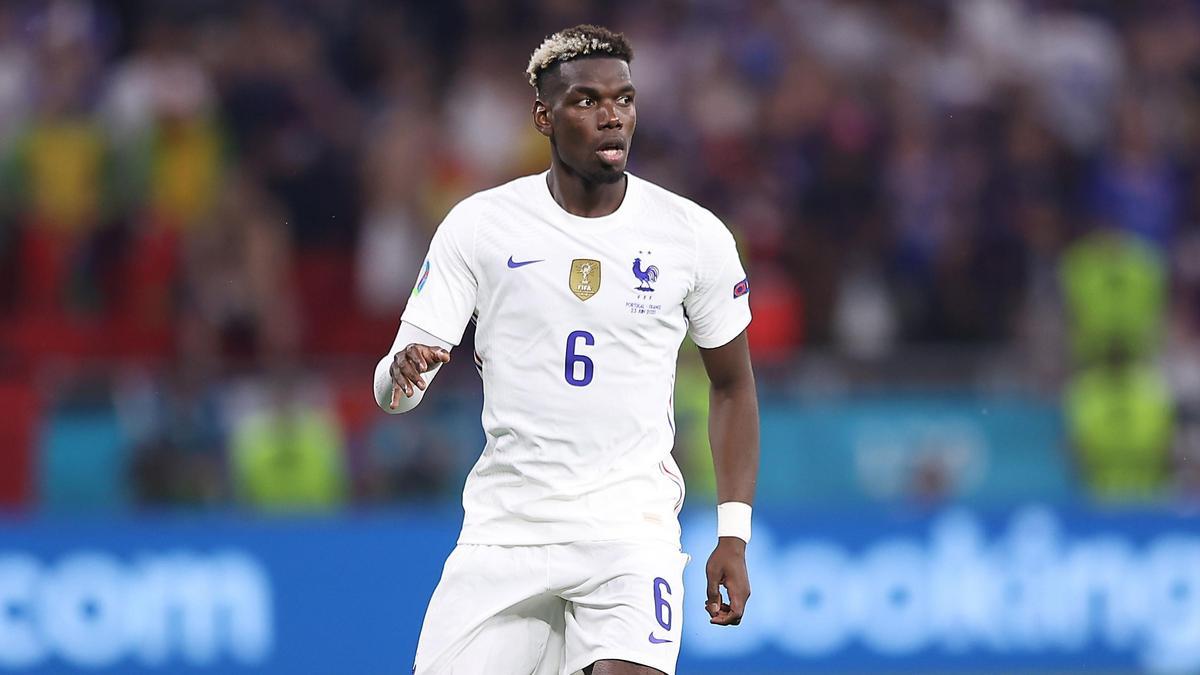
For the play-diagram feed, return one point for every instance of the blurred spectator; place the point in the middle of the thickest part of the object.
(16, 76)
(416, 461)
(159, 114)
(57, 171)
(778, 327)
(239, 285)
(62, 154)
(394, 229)
(289, 455)
(1120, 417)
(1183, 360)
(489, 113)
(292, 120)
(1115, 292)
(1135, 189)
(1076, 62)
(864, 315)
(179, 437)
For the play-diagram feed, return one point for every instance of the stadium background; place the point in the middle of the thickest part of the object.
(973, 230)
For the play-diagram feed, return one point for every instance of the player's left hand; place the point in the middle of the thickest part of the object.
(727, 567)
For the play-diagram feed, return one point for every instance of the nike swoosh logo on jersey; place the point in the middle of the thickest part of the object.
(513, 264)
(656, 641)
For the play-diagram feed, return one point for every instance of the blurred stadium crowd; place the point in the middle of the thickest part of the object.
(212, 212)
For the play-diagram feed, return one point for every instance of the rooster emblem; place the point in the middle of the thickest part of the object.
(646, 276)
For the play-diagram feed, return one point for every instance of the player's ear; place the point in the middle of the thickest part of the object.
(541, 117)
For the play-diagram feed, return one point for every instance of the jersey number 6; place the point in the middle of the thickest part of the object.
(574, 359)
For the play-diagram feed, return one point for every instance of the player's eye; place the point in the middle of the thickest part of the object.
(625, 100)
(586, 102)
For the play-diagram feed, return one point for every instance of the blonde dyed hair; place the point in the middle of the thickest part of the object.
(573, 43)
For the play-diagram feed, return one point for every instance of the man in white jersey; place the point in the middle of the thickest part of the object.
(583, 281)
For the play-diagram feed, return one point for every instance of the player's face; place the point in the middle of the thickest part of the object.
(590, 117)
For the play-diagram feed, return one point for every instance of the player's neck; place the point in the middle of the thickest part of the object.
(581, 197)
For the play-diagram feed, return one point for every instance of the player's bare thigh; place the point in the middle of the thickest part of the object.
(615, 667)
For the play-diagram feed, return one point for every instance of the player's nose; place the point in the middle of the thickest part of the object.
(609, 119)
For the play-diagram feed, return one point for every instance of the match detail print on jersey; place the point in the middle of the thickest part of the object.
(585, 277)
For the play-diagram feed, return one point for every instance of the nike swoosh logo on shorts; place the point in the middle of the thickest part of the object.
(656, 641)
(512, 264)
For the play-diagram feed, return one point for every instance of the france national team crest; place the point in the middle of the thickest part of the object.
(585, 277)
(646, 275)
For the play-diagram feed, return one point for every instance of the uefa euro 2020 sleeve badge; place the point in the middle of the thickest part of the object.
(585, 277)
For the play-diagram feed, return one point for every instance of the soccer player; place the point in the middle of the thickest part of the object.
(582, 282)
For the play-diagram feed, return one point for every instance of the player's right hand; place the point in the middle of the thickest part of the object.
(407, 366)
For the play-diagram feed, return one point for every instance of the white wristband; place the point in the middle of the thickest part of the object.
(733, 520)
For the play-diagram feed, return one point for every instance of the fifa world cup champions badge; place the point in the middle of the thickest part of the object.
(585, 277)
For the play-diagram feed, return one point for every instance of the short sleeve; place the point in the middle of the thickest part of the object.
(443, 298)
(718, 306)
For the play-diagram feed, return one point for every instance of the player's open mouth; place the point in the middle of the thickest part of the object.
(612, 151)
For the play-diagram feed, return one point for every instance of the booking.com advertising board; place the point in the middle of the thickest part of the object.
(1031, 589)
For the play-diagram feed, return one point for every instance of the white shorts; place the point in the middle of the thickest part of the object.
(554, 609)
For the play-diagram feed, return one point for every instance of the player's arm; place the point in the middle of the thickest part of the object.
(733, 436)
(404, 373)
(442, 302)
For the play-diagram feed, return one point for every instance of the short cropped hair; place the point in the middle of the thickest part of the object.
(573, 43)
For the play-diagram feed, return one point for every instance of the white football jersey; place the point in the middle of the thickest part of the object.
(579, 323)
